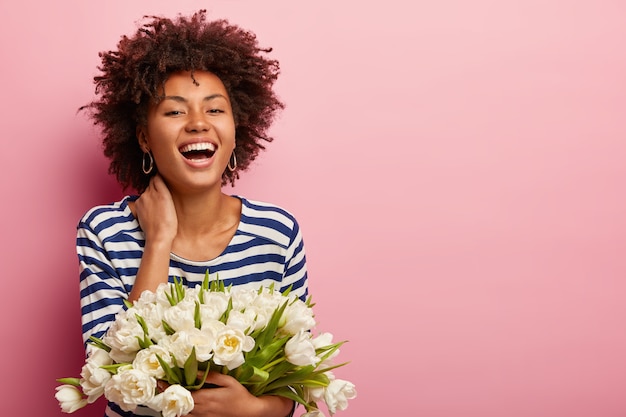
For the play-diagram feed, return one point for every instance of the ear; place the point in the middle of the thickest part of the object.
(140, 133)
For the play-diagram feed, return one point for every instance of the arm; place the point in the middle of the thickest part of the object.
(111, 268)
(157, 217)
(102, 290)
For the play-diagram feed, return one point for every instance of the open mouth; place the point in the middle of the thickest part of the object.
(195, 151)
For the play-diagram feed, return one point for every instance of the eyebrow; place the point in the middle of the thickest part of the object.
(181, 99)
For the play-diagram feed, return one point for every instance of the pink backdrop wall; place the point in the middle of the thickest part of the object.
(457, 169)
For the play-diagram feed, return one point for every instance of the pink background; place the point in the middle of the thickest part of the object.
(457, 169)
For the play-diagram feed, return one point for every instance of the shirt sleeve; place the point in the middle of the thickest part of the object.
(102, 291)
(295, 275)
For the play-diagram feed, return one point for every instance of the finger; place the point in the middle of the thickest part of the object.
(162, 385)
(218, 379)
(201, 377)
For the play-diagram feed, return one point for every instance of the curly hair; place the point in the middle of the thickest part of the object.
(133, 75)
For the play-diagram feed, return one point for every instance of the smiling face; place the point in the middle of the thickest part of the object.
(191, 131)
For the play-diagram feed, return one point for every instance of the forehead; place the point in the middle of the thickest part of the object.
(187, 83)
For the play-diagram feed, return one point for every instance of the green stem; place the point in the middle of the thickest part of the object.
(273, 363)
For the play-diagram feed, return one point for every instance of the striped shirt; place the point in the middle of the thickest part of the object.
(266, 248)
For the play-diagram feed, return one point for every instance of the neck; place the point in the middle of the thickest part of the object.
(202, 213)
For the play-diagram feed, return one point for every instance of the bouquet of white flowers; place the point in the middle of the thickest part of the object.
(263, 338)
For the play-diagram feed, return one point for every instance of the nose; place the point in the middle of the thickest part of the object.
(197, 122)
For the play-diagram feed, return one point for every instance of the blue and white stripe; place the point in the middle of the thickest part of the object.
(266, 248)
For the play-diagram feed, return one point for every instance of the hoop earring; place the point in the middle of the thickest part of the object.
(150, 163)
(232, 166)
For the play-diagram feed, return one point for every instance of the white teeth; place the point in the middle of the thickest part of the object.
(204, 146)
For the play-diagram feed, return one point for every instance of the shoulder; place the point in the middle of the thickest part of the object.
(269, 221)
(106, 215)
(262, 210)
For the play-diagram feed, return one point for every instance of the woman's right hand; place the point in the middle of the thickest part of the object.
(156, 213)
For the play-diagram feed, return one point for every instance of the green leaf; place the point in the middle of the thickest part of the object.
(262, 355)
(191, 368)
(178, 371)
(170, 374)
(217, 285)
(96, 341)
(180, 289)
(253, 375)
(197, 319)
(145, 341)
(202, 381)
(283, 380)
(226, 313)
(309, 302)
(113, 367)
(170, 297)
(330, 368)
(70, 381)
(287, 291)
(269, 332)
(205, 281)
(168, 329)
(288, 393)
(299, 392)
(204, 287)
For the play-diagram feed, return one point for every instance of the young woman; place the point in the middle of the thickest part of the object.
(184, 106)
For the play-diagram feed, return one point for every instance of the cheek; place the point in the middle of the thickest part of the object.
(158, 134)
(230, 134)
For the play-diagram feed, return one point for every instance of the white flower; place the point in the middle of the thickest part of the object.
(139, 342)
(314, 394)
(242, 320)
(212, 326)
(299, 350)
(204, 341)
(313, 413)
(146, 297)
(93, 377)
(122, 336)
(323, 340)
(181, 343)
(229, 347)
(215, 304)
(337, 394)
(70, 398)
(242, 297)
(146, 361)
(129, 388)
(160, 295)
(191, 294)
(262, 316)
(152, 314)
(97, 356)
(298, 316)
(180, 316)
(175, 401)
(268, 300)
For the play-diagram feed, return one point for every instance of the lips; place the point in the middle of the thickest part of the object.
(199, 150)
